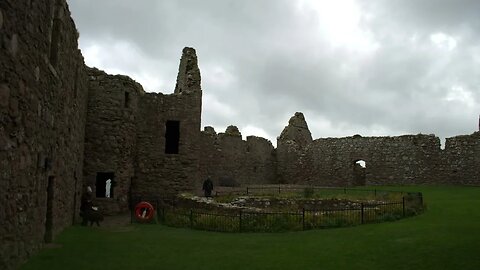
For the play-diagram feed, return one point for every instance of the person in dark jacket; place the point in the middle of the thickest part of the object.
(86, 204)
(208, 187)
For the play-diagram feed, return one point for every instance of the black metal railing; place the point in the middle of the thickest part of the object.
(172, 213)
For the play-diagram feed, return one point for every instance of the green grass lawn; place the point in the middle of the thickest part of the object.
(446, 236)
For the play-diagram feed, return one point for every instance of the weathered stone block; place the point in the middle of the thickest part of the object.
(1, 19)
(4, 95)
(13, 45)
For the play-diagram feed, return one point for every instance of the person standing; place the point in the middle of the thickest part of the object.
(208, 187)
(86, 204)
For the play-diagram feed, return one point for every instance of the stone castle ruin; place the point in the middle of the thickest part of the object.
(65, 126)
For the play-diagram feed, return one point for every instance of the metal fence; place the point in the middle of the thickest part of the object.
(168, 212)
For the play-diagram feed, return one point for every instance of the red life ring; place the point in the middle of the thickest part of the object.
(144, 211)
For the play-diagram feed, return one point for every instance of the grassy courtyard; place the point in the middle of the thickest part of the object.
(446, 236)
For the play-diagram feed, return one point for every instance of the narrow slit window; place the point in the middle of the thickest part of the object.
(55, 42)
(172, 137)
(127, 100)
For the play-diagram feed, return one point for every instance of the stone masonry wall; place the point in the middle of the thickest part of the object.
(45, 129)
(290, 147)
(110, 141)
(461, 160)
(43, 95)
(229, 160)
(158, 172)
(409, 159)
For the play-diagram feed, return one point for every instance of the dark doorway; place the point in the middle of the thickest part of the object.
(172, 137)
(101, 185)
(49, 215)
(359, 175)
(75, 197)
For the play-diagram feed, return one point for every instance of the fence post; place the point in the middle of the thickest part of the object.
(132, 211)
(191, 218)
(363, 220)
(279, 190)
(247, 190)
(240, 221)
(375, 192)
(403, 205)
(303, 219)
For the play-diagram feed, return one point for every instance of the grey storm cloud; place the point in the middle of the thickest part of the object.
(394, 67)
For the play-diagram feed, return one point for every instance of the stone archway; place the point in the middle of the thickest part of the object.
(359, 172)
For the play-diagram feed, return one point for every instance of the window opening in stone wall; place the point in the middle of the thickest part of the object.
(359, 172)
(48, 237)
(172, 137)
(104, 184)
(55, 42)
(127, 100)
(361, 163)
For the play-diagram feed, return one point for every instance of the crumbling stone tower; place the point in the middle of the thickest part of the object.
(147, 143)
(168, 131)
(290, 144)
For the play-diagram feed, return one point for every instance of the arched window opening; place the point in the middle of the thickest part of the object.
(362, 163)
(359, 175)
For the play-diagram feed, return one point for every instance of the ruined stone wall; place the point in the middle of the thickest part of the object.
(158, 172)
(461, 160)
(261, 163)
(409, 159)
(291, 145)
(110, 141)
(231, 161)
(43, 95)
(44, 88)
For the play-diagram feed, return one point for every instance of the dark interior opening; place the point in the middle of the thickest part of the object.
(48, 237)
(101, 184)
(127, 100)
(172, 137)
(55, 42)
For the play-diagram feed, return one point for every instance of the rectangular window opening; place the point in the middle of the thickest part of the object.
(127, 100)
(104, 185)
(172, 137)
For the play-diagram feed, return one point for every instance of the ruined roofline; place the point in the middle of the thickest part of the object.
(99, 74)
(419, 135)
(358, 136)
(188, 78)
(231, 131)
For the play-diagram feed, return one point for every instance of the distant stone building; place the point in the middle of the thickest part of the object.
(65, 126)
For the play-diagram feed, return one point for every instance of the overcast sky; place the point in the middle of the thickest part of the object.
(368, 67)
